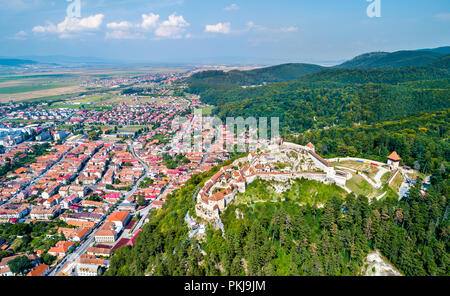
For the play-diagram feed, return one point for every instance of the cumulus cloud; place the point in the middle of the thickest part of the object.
(232, 7)
(173, 27)
(149, 21)
(252, 26)
(71, 26)
(21, 35)
(119, 26)
(223, 28)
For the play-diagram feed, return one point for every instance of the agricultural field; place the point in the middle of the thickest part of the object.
(37, 94)
(77, 106)
(26, 88)
(33, 86)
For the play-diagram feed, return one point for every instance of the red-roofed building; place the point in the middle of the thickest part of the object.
(394, 160)
(61, 248)
(40, 270)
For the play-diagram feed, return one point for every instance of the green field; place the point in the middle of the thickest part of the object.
(92, 99)
(72, 106)
(22, 77)
(26, 88)
(397, 182)
(360, 186)
(206, 111)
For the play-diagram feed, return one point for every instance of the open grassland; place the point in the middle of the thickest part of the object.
(369, 169)
(360, 186)
(397, 182)
(206, 111)
(26, 88)
(23, 87)
(91, 99)
(31, 77)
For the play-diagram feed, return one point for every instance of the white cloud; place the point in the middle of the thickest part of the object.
(71, 26)
(118, 34)
(289, 29)
(22, 35)
(128, 30)
(223, 28)
(119, 26)
(251, 26)
(445, 16)
(149, 21)
(173, 27)
(232, 7)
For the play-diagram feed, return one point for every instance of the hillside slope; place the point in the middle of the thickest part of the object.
(397, 59)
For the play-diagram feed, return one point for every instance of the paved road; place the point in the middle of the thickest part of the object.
(39, 177)
(90, 240)
(143, 212)
(78, 251)
(147, 172)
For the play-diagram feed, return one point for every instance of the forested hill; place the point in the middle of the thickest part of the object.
(396, 59)
(442, 63)
(280, 73)
(345, 98)
(438, 69)
(444, 50)
(337, 96)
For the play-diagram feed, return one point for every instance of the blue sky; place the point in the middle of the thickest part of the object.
(247, 31)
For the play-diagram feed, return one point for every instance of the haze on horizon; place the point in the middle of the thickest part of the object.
(194, 31)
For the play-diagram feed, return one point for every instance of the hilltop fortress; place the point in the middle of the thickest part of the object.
(276, 163)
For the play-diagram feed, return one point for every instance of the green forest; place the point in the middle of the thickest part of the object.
(351, 112)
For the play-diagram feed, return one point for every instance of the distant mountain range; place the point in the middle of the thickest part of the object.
(61, 61)
(16, 62)
(279, 73)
